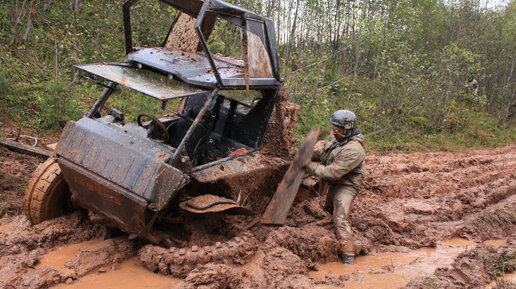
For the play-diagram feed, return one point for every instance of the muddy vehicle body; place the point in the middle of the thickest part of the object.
(204, 158)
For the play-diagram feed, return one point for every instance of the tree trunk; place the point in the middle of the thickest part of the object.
(28, 26)
(46, 5)
(75, 6)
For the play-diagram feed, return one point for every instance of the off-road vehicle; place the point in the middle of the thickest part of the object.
(206, 157)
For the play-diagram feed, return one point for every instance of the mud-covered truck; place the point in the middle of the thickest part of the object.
(205, 157)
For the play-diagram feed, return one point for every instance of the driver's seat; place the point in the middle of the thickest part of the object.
(196, 146)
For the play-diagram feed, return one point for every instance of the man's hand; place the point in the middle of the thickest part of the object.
(319, 146)
(307, 165)
(310, 181)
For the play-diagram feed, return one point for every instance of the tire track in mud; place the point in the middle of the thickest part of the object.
(178, 262)
(410, 200)
(417, 199)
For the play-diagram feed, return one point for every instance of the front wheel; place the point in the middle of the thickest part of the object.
(47, 195)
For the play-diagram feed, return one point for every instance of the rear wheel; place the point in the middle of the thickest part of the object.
(47, 194)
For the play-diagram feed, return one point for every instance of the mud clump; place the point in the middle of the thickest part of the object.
(284, 269)
(40, 278)
(18, 272)
(213, 276)
(311, 242)
(94, 257)
(22, 237)
(279, 136)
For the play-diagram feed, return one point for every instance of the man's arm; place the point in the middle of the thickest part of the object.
(345, 162)
(318, 149)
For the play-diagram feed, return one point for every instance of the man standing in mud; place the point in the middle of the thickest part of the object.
(340, 162)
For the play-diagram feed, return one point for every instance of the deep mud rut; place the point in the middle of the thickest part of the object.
(412, 204)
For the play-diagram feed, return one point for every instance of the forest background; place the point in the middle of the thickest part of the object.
(401, 65)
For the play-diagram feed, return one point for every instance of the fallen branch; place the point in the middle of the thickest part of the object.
(24, 148)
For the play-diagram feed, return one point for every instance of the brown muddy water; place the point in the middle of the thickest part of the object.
(5, 227)
(394, 270)
(380, 270)
(129, 274)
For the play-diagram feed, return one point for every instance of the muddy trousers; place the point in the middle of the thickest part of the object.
(343, 196)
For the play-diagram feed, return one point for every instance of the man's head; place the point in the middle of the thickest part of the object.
(343, 123)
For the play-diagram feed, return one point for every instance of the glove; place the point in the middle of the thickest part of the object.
(319, 146)
(309, 165)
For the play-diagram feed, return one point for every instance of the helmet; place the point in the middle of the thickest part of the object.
(344, 118)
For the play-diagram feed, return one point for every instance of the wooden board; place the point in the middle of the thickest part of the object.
(23, 148)
(278, 208)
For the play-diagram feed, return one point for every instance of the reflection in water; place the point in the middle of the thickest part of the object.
(393, 270)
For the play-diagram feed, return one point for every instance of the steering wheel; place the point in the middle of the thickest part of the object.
(154, 120)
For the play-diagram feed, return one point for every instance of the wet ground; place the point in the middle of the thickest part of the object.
(378, 270)
(425, 220)
(396, 269)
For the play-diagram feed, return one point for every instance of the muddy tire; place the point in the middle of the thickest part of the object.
(47, 193)
(178, 262)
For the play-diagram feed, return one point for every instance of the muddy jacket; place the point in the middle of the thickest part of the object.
(340, 162)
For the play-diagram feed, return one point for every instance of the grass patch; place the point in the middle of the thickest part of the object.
(499, 218)
(498, 264)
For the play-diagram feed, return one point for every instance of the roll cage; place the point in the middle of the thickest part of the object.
(192, 73)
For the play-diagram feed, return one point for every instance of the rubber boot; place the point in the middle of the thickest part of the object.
(348, 259)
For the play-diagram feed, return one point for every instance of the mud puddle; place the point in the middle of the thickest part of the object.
(58, 258)
(395, 269)
(130, 274)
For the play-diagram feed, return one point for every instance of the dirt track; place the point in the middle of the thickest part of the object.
(410, 201)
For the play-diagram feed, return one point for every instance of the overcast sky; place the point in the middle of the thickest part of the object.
(494, 3)
(484, 3)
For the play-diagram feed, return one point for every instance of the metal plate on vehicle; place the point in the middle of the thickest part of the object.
(194, 68)
(211, 204)
(135, 164)
(142, 80)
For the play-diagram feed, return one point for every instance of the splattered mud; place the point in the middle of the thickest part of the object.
(442, 219)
